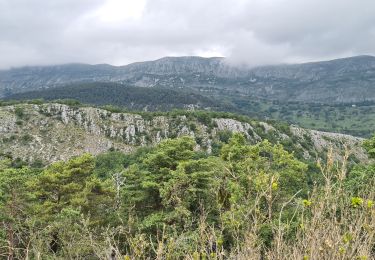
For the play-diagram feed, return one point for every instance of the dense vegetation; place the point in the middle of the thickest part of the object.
(174, 202)
(349, 118)
(135, 98)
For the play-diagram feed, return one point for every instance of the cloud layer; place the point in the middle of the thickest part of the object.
(252, 32)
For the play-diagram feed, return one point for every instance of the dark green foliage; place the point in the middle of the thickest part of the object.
(136, 98)
(355, 119)
(71, 184)
(361, 178)
(109, 163)
(69, 102)
(160, 195)
(19, 112)
(204, 118)
(224, 136)
(369, 145)
(27, 138)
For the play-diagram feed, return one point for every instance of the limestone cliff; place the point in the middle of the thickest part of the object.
(54, 131)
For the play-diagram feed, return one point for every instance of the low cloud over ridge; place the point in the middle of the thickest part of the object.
(253, 32)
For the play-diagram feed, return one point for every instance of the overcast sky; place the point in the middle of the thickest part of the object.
(255, 32)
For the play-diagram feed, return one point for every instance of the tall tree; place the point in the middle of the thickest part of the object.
(14, 207)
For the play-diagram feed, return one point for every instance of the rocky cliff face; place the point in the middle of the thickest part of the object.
(53, 132)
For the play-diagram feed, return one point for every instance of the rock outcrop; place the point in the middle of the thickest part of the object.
(52, 132)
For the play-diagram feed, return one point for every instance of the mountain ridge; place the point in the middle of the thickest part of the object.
(345, 80)
(53, 131)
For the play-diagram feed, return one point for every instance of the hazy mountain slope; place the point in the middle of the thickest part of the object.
(342, 80)
(52, 132)
(31, 78)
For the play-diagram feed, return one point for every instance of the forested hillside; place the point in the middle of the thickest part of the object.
(354, 119)
(48, 132)
(171, 201)
(81, 182)
(133, 98)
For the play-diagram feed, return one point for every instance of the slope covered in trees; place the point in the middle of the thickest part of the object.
(348, 118)
(55, 131)
(174, 202)
(135, 98)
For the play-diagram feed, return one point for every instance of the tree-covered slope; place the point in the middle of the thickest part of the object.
(134, 98)
(51, 132)
(174, 201)
(354, 119)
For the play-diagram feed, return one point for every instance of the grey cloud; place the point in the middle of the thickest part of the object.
(252, 32)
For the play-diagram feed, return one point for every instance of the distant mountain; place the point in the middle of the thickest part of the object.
(348, 80)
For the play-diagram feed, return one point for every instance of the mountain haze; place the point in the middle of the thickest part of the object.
(347, 80)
